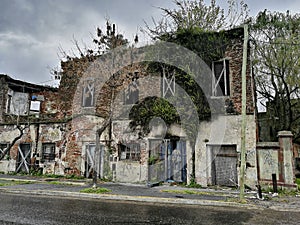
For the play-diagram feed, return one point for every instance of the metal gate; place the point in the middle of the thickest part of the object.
(24, 153)
(224, 165)
(167, 160)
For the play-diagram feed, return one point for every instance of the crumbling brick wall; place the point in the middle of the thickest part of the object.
(234, 52)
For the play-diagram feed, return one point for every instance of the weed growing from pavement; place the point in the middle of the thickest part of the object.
(72, 176)
(12, 173)
(13, 182)
(57, 183)
(39, 174)
(61, 182)
(192, 192)
(283, 192)
(96, 190)
(298, 183)
(237, 200)
(193, 184)
(4, 184)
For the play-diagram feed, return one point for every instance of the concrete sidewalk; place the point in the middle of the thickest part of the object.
(32, 185)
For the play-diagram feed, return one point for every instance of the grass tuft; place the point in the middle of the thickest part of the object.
(192, 192)
(96, 190)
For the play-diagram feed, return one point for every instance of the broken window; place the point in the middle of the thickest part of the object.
(220, 78)
(88, 94)
(130, 151)
(3, 147)
(48, 153)
(168, 84)
(131, 94)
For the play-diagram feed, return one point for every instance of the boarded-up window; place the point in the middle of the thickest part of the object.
(168, 84)
(3, 147)
(220, 78)
(88, 94)
(48, 153)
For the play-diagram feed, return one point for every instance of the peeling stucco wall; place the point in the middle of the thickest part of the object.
(277, 158)
(225, 130)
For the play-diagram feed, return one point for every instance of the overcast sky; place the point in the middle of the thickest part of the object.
(31, 31)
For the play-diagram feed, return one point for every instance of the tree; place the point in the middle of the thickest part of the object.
(276, 54)
(11, 144)
(105, 42)
(196, 14)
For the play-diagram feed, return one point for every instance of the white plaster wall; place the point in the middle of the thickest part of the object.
(225, 130)
(268, 162)
(7, 165)
(8, 135)
(131, 172)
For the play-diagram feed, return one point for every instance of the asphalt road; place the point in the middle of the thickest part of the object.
(20, 209)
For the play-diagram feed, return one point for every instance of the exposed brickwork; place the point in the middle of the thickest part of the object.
(234, 52)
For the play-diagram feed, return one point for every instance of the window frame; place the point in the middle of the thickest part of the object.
(88, 89)
(168, 83)
(48, 157)
(221, 83)
(129, 151)
(2, 149)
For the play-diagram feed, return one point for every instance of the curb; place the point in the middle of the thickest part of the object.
(134, 198)
(115, 197)
(46, 180)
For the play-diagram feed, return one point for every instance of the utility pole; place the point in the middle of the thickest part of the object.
(96, 160)
(244, 105)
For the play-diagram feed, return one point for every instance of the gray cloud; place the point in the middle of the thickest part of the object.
(32, 30)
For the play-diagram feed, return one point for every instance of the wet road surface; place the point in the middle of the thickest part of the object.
(26, 209)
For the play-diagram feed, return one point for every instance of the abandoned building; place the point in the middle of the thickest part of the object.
(58, 130)
(27, 118)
